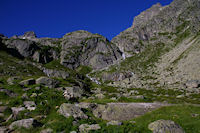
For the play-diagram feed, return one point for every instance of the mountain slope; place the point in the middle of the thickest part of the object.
(161, 48)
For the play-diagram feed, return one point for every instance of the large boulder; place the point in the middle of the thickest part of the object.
(84, 128)
(25, 123)
(116, 123)
(30, 105)
(165, 126)
(27, 82)
(124, 111)
(85, 48)
(56, 73)
(12, 80)
(68, 110)
(192, 84)
(17, 110)
(48, 130)
(3, 130)
(3, 108)
(48, 82)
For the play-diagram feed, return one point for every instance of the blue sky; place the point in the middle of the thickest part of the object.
(55, 18)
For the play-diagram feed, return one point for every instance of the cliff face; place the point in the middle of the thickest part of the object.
(74, 49)
(154, 25)
(84, 48)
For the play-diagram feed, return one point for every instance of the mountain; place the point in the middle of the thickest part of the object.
(161, 47)
(146, 79)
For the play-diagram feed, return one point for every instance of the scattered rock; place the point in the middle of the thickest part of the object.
(113, 98)
(68, 110)
(10, 117)
(25, 123)
(25, 96)
(138, 97)
(72, 92)
(38, 88)
(87, 105)
(165, 126)
(1, 115)
(26, 89)
(34, 95)
(3, 108)
(27, 82)
(192, 84)
(48, 130)
(194, 115)
(117, 123)
(100, 96)
(48, 82)
(116, 76)
(180, 96)
(30, 105)
(11, 80)
(56, 73)
(8, 92)
(73, 132)
(133, 92)
(17, 110)
(3, 130)
(86, 128)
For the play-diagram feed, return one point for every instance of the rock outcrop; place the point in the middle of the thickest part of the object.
(84, 48)
(48, 82)
(25, 123)
(27, 82)
(157, 23)
(165, 126)
(84, 128)
(68, 110)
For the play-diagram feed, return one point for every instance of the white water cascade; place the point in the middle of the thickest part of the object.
(93, 79)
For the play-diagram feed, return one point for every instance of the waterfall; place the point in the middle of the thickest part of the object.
(123, 56)
(93, 79)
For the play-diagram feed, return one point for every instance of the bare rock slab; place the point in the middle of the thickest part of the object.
(124, 111)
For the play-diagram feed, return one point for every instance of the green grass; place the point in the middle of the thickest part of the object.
(181, 114)
(83, 70)
(13, 66)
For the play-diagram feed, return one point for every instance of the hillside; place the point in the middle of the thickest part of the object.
(146, 79)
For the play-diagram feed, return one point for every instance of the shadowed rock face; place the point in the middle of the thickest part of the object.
(26, 48)
(84, 48)
(74, 49)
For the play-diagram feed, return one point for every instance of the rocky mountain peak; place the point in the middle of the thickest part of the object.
(147, 15)
(28, 35)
